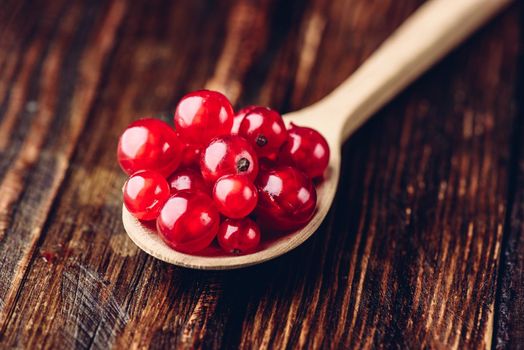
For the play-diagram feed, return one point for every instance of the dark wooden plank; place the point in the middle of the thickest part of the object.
(408, 256)
(509, 317)
(31, 104)
(509, 326)
(39, 105)
(145, 53)
(415, 234)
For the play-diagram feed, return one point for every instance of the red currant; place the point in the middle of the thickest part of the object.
(307, 150)
(235, 196)
(228, 155)
(265, 130)
(145, 192)
(189, 221)
(287, 199)
(202, 115)
(149, 144)
(187, 179)
(239, 117)
(238, 236)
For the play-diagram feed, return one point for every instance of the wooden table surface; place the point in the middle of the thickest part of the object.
(424, 246)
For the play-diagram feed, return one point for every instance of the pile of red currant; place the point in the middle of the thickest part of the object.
(221, 175)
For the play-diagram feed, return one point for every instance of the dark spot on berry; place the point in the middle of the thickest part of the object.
(243, 164)
(261, 141)
(236, 251)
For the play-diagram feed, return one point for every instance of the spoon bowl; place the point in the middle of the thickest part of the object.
(431, 32)
(149, 241)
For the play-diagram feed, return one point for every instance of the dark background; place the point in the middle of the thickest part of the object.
(422, 248)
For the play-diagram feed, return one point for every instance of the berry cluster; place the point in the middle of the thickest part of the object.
(220, 175)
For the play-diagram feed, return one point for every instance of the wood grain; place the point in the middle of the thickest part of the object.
(407, 258)
(509, 320)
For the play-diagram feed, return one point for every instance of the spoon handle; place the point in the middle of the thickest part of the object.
(424, 38)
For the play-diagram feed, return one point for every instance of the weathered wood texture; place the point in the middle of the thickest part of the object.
(409, 256)
(509, 325)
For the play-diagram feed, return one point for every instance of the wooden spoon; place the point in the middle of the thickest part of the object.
(425, 37)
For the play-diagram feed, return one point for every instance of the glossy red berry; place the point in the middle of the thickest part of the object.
(239, 117)
(187, 179)
(149, 144)
(265, 130)
(202, 115)
(238, 236)
(145, 192)
(188, 222)
(307, 150)
(235, 196)
(228, 155)
(286, 199)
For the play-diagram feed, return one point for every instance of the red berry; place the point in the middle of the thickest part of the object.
(238, 236)
(287, 199)
(190, 157)
(202, 115)
(188, 222)
(265, 130)
(228, 155)
(145, 192)
(239, 117)
(235, 196)
(187, 179)
(307, 150)
(149, 144)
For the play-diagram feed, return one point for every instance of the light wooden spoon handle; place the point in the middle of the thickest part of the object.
(424, 38)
